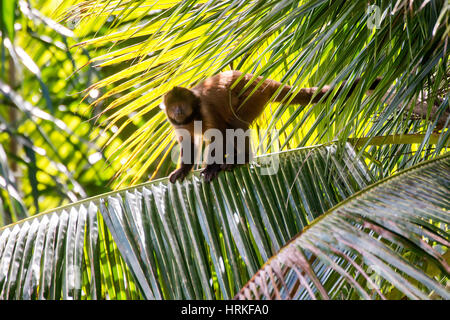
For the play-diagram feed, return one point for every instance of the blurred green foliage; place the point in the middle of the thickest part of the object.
(51, 147)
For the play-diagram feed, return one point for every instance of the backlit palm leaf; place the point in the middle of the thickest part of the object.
(197, 240)
(189, 240)
(302, 43)
(378, 243)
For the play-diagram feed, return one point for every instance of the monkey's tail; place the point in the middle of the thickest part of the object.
(313, 95)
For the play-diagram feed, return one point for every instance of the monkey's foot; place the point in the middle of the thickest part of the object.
(178, 174)
(210, 172)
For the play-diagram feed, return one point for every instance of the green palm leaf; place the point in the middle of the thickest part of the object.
(159, 44)
(190, 240)
(378, 242)
(66, 254)
(229, 227)
(196, 240)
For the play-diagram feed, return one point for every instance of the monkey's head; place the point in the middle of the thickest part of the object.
(181, 105)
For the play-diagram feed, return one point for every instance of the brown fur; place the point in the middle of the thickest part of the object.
(220, 105)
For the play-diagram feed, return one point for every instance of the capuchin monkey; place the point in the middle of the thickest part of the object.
(220, 105)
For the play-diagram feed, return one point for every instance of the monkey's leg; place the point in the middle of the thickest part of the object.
(212, 168)
(241, 154)
(211, 171)
(186, 161)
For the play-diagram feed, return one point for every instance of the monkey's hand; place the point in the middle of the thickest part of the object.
(179, 174)
(210, 172)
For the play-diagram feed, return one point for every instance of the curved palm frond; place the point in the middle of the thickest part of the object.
(302, 43)
(67, 254)
(189, 240)
(379, 243)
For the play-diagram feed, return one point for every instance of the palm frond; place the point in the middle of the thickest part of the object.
(189, 240)
(379, 243)
(302, 43)
(66, 254)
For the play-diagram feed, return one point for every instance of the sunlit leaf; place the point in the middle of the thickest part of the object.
(381, 238)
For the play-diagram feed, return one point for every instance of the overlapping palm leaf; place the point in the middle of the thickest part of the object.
(302, 43)
(378, 243)
(189, 240)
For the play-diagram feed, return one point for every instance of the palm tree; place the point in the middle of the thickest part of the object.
(334, 227)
